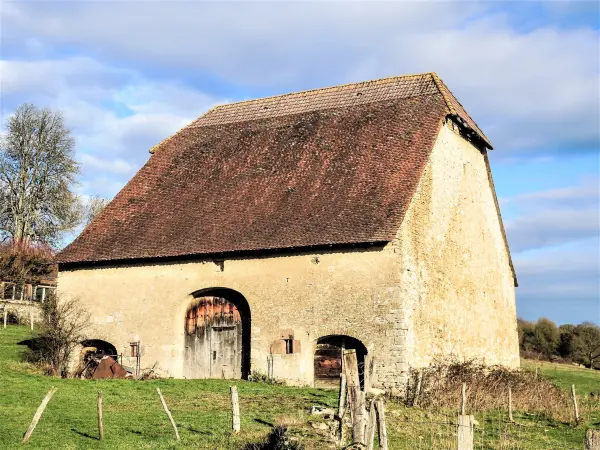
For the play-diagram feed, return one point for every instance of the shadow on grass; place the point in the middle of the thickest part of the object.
(320, 395)
(89, 436)
(264, 422)
(193, 430)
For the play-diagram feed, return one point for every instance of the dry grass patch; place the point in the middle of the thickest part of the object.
(487, 389)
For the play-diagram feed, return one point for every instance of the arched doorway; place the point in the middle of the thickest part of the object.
(100, 348)
(217, 335)
(328, 357)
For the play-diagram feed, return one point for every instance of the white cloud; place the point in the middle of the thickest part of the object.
(562, 284)
(532, 91)
(554, 217)
(116, 115)
(92, 163)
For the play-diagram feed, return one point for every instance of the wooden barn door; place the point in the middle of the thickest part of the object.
(213, 339)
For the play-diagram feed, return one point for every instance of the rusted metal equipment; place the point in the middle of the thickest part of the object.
(109, 368)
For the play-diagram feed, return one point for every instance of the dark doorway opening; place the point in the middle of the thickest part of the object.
(102, 348)
(328, 358)
(217, 335)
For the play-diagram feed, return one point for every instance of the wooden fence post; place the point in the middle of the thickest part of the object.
(465, 432)
(162, 400)
(463, 403)
(510, 412)
(371, 426)
(38, 414)
(356, 397)
(31, 317)
(5, 316)
(592, 439)
(100, 425)
(235, 409)
(418, 388)
(342, 399)
(575, 408)
(382, 430)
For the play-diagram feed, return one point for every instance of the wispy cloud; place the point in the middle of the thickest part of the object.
(535, 90)
(116, 114)
(554, 217)
(561, 284)
(128, 76)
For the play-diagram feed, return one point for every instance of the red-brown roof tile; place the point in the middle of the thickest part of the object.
(330, 166)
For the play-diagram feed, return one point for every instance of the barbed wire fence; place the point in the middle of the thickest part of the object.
(479, 428)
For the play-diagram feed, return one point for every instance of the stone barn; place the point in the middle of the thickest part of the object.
(267, 235)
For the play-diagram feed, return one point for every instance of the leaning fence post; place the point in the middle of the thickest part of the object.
(575, 409)
(510, 412)
(162, 400)
(235, 408)
(38, 414)
(592, 439)
(100, 425)
(342, 399)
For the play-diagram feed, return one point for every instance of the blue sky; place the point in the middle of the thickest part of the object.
(128, 74)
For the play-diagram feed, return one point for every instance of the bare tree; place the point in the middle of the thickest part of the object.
(94, 206)
(37, 170)
(59, 334)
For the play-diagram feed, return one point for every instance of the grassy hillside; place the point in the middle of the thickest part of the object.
(586, 381)
(133, 416)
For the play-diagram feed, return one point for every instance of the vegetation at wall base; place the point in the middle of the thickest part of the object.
(134, 418)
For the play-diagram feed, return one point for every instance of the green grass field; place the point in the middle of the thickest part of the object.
(585, 380)
(133, 416)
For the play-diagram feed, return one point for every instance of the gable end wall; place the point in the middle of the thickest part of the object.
(457, 281)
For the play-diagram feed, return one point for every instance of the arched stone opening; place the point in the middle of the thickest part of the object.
(328, 357)
(99, 348)
(217, 335)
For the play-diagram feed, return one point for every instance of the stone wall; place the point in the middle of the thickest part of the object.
(312, 294)
(443, 287)
(456, 283)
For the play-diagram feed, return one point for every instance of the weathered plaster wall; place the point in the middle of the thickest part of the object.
(457, 285)
(443, 287)
(346, 292)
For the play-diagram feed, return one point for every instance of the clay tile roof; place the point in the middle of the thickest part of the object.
(329, 166)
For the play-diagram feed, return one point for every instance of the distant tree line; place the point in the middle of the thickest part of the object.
(545, 340)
